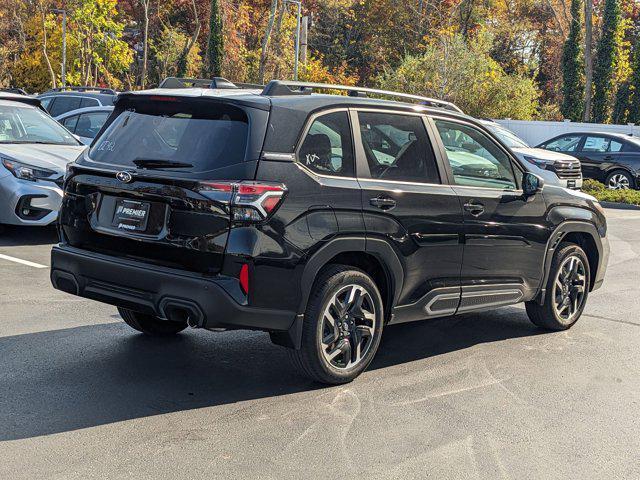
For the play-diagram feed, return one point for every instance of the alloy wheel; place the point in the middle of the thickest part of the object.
(569, 288)
(619, 181)
(348, 326)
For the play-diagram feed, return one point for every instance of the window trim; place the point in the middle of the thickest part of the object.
(363, 172)
(515, 163)
(310, 121)
(601, 135)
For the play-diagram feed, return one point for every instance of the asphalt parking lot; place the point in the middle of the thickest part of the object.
(478, 396)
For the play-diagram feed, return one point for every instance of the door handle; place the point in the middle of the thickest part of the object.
(475, 209)
(382, 202)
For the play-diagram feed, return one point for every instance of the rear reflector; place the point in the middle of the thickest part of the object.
(244, 278)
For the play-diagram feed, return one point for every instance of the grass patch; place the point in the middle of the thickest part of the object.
(603, 194)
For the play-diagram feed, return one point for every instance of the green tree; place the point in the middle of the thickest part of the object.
(572, 80)
(603, 88)
(463, 72)
(215, 44)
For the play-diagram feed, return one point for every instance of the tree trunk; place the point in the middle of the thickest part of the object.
(44, 48)
(182, 63)
(265, 40)
(145, 41)
(588, 58)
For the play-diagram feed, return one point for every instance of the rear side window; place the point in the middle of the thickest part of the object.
(89, 102)
(89, 124)
(70, 123)
(327, 148)
(397, 147)
(201, 135)
(601, 145)
(568, 143)
(64, 104)
(47, 103)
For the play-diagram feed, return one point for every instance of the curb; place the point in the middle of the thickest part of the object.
(619, 206)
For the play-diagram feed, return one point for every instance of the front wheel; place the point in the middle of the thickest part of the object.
(567, 290)
(149, 324)
(342, 326)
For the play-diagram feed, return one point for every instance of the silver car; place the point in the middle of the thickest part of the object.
(34, 153)
(556, 168)
(85, 123)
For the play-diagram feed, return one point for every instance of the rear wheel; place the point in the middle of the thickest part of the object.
(342, 326)
(149, 324)
(619, 180)
(567, 290)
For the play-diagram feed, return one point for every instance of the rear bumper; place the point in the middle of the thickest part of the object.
(159, 291)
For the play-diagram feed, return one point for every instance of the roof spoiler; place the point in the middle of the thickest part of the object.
(215, 83)
(284, 87)
(16, 97)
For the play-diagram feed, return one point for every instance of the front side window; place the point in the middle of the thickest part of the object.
(327, 148)
(567, 143)
(475, 159)
(397, 147)
(601, 145)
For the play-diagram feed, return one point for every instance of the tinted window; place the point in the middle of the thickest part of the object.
(474, 158)
(327, 149)
(205, 136)
(47, 103)
(89, 102)
(89, 124)
(398, 147)
(70, 122)
(567, 143)
(64, 104)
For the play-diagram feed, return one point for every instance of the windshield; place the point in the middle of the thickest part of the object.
(508, 137)
(195, 138)
(26, 124)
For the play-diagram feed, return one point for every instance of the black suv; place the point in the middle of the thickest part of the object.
(317, 218)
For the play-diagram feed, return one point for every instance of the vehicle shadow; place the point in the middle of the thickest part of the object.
(70, 379)
(12, 235)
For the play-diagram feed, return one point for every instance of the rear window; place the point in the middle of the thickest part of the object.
(205, 136)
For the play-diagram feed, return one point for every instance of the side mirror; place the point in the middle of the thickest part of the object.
(531, 184)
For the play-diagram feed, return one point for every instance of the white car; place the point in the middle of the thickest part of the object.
(553, 167)
(34, 153)
(85, 123)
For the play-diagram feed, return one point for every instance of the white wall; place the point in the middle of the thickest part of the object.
(535, 133)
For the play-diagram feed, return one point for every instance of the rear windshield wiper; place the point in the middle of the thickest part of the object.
(151, 163)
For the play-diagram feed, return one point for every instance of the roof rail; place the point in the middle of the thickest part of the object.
(16, 90)
(285, 87)
(107, 91)
(216, 82)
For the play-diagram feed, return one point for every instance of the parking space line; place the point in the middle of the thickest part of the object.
(23, 262)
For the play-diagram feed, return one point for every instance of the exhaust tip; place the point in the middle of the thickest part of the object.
(183, 311)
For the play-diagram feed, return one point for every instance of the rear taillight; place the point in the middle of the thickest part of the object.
(250, 201)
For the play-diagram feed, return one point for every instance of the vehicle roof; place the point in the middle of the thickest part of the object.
(73, 93)
(15, 97)
(306, 103)
(78, 111)
(623, 136)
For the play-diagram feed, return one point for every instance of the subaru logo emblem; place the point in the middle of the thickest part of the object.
(124, 177)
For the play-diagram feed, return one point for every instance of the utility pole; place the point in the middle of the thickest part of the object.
(298, 4)
(64, 44)
(304, 35)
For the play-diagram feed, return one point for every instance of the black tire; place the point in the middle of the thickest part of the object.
(150, 325)
(546, 315)
(617, 174)
(310, 360)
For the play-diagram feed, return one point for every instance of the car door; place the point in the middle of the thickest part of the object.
(505, 234)
(598, 153)
(407, 205)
